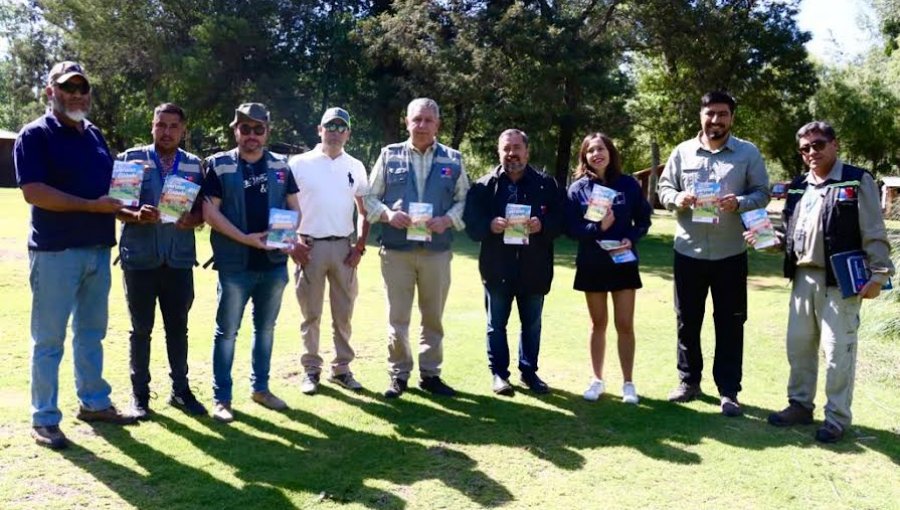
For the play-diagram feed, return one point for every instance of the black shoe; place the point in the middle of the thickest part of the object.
(730, 406)
(793, 414)
(436, 386)
(535, 384)
(395, 388)
(50, 436)
(501, 386)
(140, 408)
(108, 415)
(829, 433)
(187, 402)
(684, 392)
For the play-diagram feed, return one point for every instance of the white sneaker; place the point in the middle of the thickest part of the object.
(594, 391)
(629, 393)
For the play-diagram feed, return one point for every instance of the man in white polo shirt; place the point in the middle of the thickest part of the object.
(331, 182)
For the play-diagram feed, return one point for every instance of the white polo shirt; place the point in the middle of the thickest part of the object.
(327, 190)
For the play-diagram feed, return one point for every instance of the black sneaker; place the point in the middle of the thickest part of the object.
(140, 407)
(535, 384)
(436, 386)
(50, 436)
(187, 402)
(730, 406)
(829, 433)
(395, 388)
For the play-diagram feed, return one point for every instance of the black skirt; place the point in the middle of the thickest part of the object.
(599, 273)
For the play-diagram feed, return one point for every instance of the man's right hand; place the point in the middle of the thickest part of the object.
(398, 219)
(105, 205)
(256, 240)
(148, 214)
(498, 225)
(685, 199)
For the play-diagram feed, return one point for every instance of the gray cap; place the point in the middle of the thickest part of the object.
(251, 111)
(63, 71)
(335, 113)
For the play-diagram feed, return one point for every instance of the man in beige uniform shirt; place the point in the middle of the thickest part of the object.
(833, 208)
(422, 171)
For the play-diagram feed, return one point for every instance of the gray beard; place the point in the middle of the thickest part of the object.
(75, 115)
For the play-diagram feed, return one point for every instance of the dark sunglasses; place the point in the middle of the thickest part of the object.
(257, 130)
(71, 87)
(333, 126)
(818, 145)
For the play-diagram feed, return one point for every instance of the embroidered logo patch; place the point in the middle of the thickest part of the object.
(446, 172)
(848, 193)
(280, 177)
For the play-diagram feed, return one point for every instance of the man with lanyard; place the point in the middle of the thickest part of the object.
(158, 260)
(331, 182)
(64, 167)
(520, 272)
(240, 187)
(420, 170)
(833, 208)
(710, 253)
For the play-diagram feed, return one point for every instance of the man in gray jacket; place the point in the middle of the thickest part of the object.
(158, 261)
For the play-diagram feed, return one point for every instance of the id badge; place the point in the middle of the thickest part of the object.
(623, 257)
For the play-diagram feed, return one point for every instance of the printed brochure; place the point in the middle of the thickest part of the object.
(419, 213)
(600, 202)
(517, 216)
(178, 195)
(706, 209)
(758, 222)
(126, 182)
(282, 228)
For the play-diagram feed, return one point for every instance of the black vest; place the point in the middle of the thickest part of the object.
(839, 216)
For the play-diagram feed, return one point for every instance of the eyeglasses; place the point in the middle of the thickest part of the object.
(257, 130)
(818, 145)
(71, 87)
(333, 126)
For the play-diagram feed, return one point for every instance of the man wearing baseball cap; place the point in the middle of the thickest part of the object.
(332, 183)
(72, 231)
(240, 187)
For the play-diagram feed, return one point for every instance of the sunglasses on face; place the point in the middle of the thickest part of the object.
(71, 87)
(818, 145)
(333, 126)
(257, 130)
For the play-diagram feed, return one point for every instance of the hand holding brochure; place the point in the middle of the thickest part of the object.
(600, 202)
(517, 216)
(282, 228)
(178, 195)
(419, 213)
(757, 221)
(851, 270)
(126, 182)
(706, 209)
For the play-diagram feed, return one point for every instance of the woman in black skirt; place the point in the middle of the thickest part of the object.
(607, 257)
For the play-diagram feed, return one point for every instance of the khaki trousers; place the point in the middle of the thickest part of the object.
(327, 263)
(820, 317)
(403, 273)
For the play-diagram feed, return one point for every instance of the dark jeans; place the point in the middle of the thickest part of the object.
(498, 303)
(175, 290)
(727, 279)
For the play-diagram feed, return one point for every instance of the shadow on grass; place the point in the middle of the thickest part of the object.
(337, 462)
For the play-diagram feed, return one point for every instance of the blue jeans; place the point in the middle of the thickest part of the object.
(72, 282)
(265, 288)
(498, 303)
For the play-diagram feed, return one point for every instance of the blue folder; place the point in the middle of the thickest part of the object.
(851, 269)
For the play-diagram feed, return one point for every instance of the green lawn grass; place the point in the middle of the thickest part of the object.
(474, 451)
